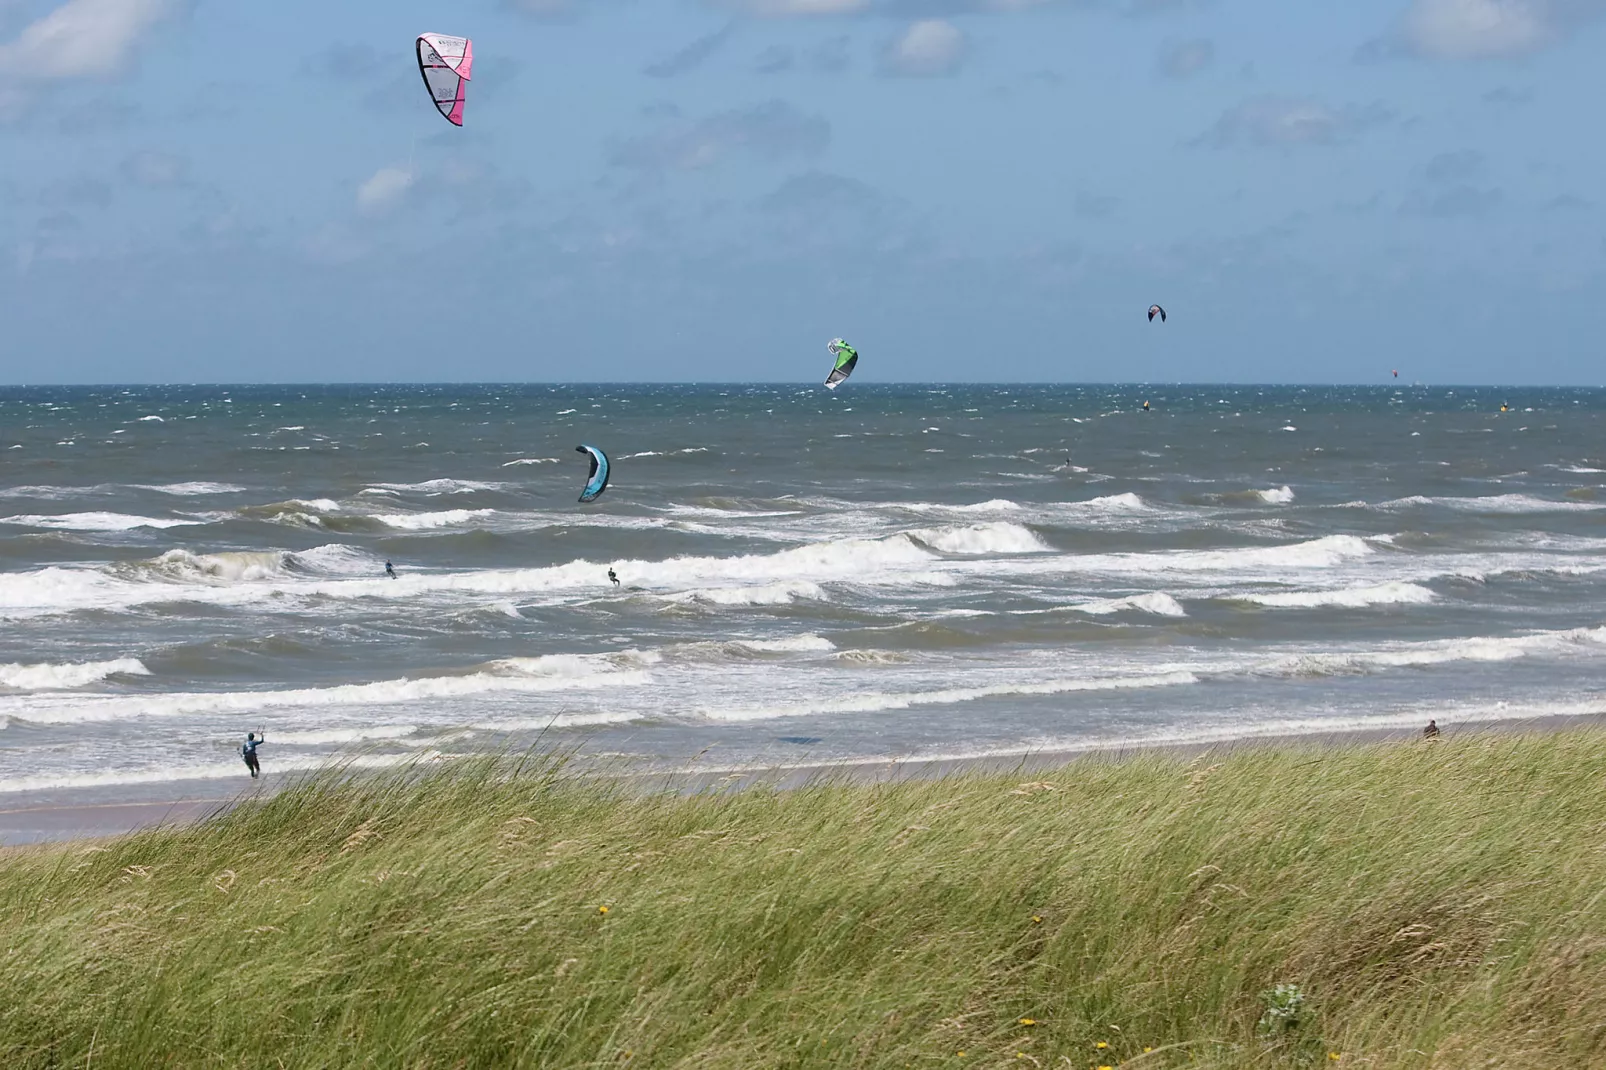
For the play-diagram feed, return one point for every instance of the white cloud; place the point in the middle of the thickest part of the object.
(1475, 29)
(83, 38)
(1269, 121)
(384, 190)
(930, 48)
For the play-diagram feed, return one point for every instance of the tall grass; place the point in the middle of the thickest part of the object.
(1431, 905)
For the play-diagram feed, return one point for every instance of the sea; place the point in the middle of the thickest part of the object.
(883, 573)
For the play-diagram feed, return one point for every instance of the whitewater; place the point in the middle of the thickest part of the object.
(883, 573)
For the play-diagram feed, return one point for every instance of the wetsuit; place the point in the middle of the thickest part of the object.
(390, 570)
(612, 577)
(248, 751)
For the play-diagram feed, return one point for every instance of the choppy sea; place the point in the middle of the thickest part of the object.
(883, 572)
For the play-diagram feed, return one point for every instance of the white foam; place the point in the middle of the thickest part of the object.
(551, 672)
(1279, 496)
(1325, 552)
(797, 644)
(1495, 503)
(425, 521)
(150, 419)
(45, 676)
(96, 521)
(1156, 602)
(1439, 652)
(531, 460)
(1397, 593)
(769, 594)
(190, 490)
(995, 505)
(999, 537)
(1117, 504)
(440, 486)
(230, 770)
(344, 735)
(877, 702)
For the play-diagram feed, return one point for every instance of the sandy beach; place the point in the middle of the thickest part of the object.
(47, 824)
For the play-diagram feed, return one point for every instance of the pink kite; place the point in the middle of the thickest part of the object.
(446, 63)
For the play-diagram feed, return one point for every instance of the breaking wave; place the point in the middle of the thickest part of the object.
(45, 676)
(1397, 593)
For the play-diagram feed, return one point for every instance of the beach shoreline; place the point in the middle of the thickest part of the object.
(67, 822)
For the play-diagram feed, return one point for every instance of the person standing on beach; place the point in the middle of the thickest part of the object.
(1431, 731)
(248, 751)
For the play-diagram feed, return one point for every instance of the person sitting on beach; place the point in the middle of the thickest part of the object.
(390, 570)
(1431, 731)
(249, 752)
(613, 577)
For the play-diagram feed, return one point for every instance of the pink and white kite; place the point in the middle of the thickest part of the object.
(446, 63)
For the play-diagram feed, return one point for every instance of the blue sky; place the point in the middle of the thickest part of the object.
(712, 189)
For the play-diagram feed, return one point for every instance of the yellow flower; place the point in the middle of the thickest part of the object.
(1333, 1055)
(961, 1054)
(1147, 1050)
(1028, 1021)
(1101, 1045)
(1106, 1067)
(602, 910)
(1037, 919)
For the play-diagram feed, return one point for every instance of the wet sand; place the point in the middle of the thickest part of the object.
(45, 824)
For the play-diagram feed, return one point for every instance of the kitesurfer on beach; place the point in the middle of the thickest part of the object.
(248, 751)
(614, 579)
(390, 570)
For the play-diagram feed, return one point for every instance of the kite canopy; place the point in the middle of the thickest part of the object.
(846, 357)
(446, 64)
(598, 481)
(1156, 310)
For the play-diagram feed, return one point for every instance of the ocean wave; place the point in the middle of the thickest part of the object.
(425, 521)
(1494, 503)
(1156, 602)
(1437, 652)
(190, 490)
(220, 770)
(1278, 496)
(438, 486)
(236, 566)
(529, 460)
(1397, 593)
(96, 521)
(769, 594)
(46, 676)
(664, 453)
(999, 537)
(1325, 552)
(1112, 504)
(550, 672)
(877, 702)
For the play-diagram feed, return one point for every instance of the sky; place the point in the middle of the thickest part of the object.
(710, 190)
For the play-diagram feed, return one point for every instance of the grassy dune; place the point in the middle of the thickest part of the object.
(1433, 905)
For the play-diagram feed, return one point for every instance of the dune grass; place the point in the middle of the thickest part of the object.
(1429, 905)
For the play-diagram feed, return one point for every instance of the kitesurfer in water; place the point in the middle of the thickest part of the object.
(612, 578)
(390, 570)
(248, 751)
(1145, 406)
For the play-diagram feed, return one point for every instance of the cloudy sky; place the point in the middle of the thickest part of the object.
(193, 190)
